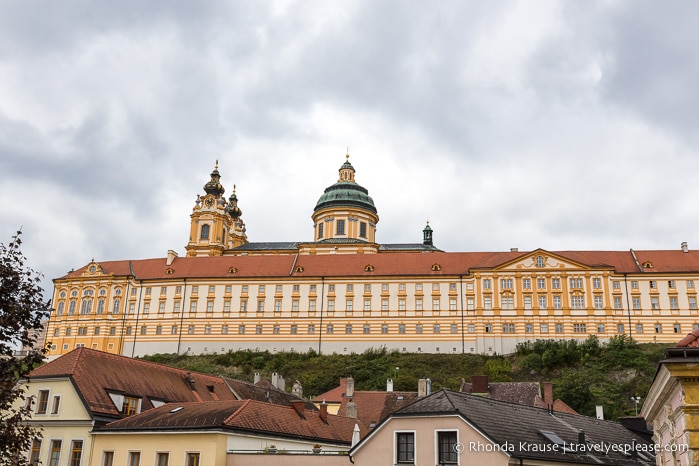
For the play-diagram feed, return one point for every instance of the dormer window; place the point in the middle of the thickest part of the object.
(126, 404)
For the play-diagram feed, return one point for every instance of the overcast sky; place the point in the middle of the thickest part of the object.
(539, 124)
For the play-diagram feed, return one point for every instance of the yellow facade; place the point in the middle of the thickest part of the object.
(374, 295)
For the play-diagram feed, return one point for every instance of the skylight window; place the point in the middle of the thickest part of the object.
(179, 408)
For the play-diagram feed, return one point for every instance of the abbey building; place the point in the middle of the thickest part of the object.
(342, 291)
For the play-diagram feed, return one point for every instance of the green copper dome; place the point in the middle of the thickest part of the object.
(345, 194)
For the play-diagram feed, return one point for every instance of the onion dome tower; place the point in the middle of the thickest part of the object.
(216, 224)
(345, 213)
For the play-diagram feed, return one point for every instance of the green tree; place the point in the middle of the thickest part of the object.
(22, 310)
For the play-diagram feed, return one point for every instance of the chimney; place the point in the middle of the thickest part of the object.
(548, 395)
(298, 407)
(349, 387)
(581, 437)
(389, 385)
(514, 249)
(421, 388)
(684, 246)
(275, 379)
(297, 389)
(172, 255)
(257, 377)
(351, 409)
(324, 412)
(479, 384)
(600, 412)
(281, 383)
(428, 385)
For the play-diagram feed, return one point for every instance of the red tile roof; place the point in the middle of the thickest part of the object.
(690, 341)
(375, 406)
(408, 263)
(249, 416)
(96, 374)
(524, 393)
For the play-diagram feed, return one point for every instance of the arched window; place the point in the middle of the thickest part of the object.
(205, 232)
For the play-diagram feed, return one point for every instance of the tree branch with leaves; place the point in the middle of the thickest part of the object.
(22, 312)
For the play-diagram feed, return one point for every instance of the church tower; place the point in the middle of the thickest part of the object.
(345, 213)
(216, 224)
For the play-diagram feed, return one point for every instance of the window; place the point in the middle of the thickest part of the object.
(616, 285)
(362, 229)
(506, 283)
(577, 302)
(488, 328)
(207, 329)
(418, 328)
(192, 459)
(690, 284)
(471, 328)
(418, 304)
(692, 302)
(261, 289)
(452, 304)
(435, 304)
(528, 328)
(600, 328)
(617, 303)
(384, 287)
(350, 288)
(542, 302)
(544, 328)
(401, 304)
(161, 459)
(405, 447)
(35, 451)
(541, 283)
(654, 304)
(435, 287)
(59, 311)
(634, 284)
(350, 305)
(295, 305)
(190, 329)
(320, 230)
(673, 302)
(176, 308)
(330, 328)
(205, 232)
(454, 328)
(418, 287)
(331, 305)
(508, 302)
(527, 302)
(435, 328)
(56, 404)
(260, 306)
(367, 288)
(130, 405)
(401, 328)
(71, 308)
(620, 328)
(639, 328)
(161, 307)
(195, 289)
(367, 328)
(367, 304)
(243, 305)
(241, 329)
(134, 458)
(470, 304)
(258, 329)
(226, 306)
(658, 328)
(275, 329)
(311, 328)
(676, 328)
(527, 283)
(76, 452)
(159, 330)
(653, 285)
(144, 330)
(556, 302)
(340, 227)
(294, 329)
(348, 328)
(42, 404)
(173, 330)
(508, 328)
(209, 307)
(331, 288)
(55, 454)
(539, 261)
(559, 328)
(108, 458)
(100, 306)
(384, 304)
(446, 447)
(576, 282)
(556, 283)
(637, 303)
(488, 303)
(193, 307)
(486, 283)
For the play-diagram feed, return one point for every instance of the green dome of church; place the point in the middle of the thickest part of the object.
(346, 192)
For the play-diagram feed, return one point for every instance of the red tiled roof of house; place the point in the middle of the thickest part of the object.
(524, 393)
(96, 374)
(408, 263)
(375, 406)
(334, 395)
(249, 415)
(690, 341)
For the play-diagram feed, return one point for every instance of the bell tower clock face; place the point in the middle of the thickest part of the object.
(209, 202)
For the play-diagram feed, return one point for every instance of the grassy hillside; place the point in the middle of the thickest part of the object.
(584, 374)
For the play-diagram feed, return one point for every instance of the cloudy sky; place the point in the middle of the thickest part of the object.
(530, 124)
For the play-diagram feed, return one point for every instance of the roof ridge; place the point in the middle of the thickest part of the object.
(245, 404)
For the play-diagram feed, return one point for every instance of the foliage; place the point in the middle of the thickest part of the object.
(584, 373)
(22, 310)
